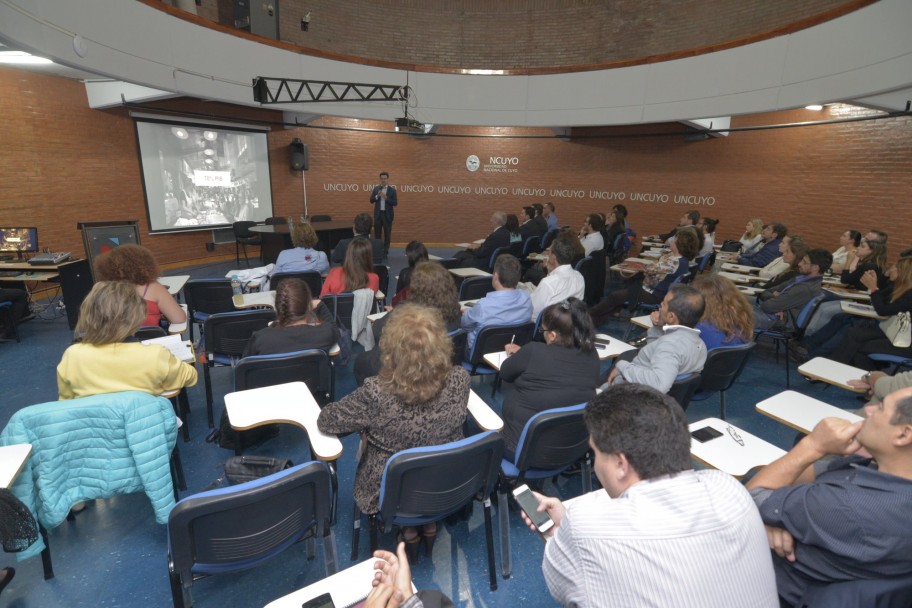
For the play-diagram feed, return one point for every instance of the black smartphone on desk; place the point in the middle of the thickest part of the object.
(707, 433)
(321, 601)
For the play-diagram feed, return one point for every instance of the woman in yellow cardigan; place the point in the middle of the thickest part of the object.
(105, 358)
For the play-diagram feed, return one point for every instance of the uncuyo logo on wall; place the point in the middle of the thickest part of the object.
(472, 163)
(501, 164)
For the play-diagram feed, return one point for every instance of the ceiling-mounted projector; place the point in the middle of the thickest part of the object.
(409, 125)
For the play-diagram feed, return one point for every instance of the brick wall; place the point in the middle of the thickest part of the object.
(64, 163)
(519, 34)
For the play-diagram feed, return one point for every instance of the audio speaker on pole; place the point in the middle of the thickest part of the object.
(298, 155)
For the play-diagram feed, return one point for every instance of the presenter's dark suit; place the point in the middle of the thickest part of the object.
(338, 252)
(531, 228)
(383, 221)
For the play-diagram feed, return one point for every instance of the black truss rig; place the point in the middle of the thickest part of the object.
(286, 90)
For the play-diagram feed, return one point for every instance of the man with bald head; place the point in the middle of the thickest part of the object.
(480, 257)
(830, 520)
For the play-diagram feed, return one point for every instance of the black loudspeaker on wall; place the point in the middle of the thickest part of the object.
(298, 155)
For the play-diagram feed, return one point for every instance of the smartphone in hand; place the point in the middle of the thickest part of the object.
(529, 504)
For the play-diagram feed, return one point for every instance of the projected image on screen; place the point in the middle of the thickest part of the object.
(198, 177)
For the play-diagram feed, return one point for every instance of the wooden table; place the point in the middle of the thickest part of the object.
(801, 412)
(832, 372)
(278, 237)
(727, 454)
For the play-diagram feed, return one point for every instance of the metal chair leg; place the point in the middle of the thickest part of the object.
(489, 539)
(503, 522)
(356, 533)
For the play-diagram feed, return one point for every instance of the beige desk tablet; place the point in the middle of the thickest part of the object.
(727, 454)
(290, 403)
(832, 372)
(800, 411)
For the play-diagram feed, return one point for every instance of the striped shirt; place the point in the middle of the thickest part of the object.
(691, 539)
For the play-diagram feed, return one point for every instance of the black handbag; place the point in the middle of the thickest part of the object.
(240, 469)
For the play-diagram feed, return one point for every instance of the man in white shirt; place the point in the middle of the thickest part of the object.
(591, 233)
(562, 281)
(658, 533)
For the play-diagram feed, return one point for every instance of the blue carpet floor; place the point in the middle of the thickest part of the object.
(114, 554)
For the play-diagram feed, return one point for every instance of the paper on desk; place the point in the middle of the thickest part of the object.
(178, 347)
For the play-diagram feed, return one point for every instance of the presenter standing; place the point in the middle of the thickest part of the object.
(383, 198)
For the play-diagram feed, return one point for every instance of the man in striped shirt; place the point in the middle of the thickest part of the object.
(830, 520)
(659, 533)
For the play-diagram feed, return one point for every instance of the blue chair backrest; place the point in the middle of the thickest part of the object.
(310, 366)
(552, 439)
(805, 315)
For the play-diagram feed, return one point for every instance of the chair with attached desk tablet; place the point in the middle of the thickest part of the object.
(722, 368)
(492, 339)
(227, 334)
(243, 526)
(551, 441)
(180, 401)
(313, 279)
(427, 484)
(207, 297)
(474, 288)
(785, 336)
(732, 450)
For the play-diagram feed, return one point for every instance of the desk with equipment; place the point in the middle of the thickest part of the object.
(74, 276)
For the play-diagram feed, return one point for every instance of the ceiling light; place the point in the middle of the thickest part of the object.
(22, 58)
(816, 107)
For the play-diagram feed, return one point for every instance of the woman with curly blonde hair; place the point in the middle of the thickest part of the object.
(728, 318)
(135, 264)
(432, 286)
(418, 399)
(751, 238)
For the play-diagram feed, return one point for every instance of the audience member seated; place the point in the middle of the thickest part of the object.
(506, 305)
(893, 299)
(752, 238)
(658, 533)
(867, 256)
(689, 219)
(300, 323)
(528, 227)
(432, 286)
(539, 218)
(361, 227)
(19, 298)
(418, 399)
(657, 277)
(303, 258)
(590, 235)
(415, 252)
(786, 267)
(616, 225)
(707, 230)
(873, 235)
(512, 227)
(779, 308)
(550, 216)
(355, 273)
(562, 371)
(728, 319)
(562, 281)
(764, 254)
(844, 519)
(480, 257)
(673, 345)
(877, 385)
(105, 360)
(848, 242)
(867, 338)
(136, 265)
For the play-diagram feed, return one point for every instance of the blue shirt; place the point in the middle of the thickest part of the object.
(763, 256)
(552, 221)
(301, 260)
(851, 523)
(505, 307)
(714, 337)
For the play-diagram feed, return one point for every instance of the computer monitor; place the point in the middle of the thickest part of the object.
(18, 240)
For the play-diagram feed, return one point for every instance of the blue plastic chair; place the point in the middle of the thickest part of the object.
(492, 339)
(427, 484)
(206, 297)
(784, 337)
(551, 441)
(240, 527)
(721, 370)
